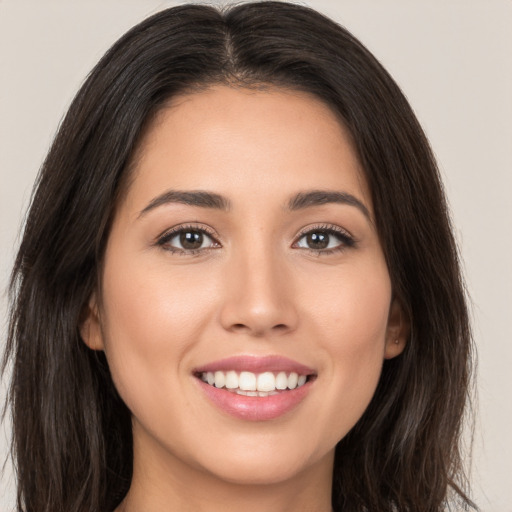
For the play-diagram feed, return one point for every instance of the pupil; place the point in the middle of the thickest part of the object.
(191, 239)
(318, 240)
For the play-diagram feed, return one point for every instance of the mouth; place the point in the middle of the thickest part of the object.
(255, 388)
(247, 383)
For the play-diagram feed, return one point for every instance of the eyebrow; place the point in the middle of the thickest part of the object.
(198, 198)
(300, 201)
(319, 197)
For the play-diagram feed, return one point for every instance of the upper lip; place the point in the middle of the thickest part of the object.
(256, 364)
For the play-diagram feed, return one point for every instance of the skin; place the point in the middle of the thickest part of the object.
(254, 288)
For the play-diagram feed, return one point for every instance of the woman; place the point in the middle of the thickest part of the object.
(238, 285)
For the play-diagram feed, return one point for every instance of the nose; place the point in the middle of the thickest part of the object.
(258, 296)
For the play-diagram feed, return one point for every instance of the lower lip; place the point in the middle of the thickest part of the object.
(255, 408)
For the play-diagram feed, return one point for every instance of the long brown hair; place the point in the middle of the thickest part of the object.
(72, 433)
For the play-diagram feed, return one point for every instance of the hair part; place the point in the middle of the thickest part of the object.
(73, 451)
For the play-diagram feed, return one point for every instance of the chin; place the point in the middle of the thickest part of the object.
(263, 461)
(258, 471)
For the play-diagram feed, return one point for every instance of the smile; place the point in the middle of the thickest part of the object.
(255, 388)
(254, 384)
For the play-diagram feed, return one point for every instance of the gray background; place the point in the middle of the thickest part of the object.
(452, 58)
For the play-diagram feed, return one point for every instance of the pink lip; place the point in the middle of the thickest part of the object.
(255, 408)
(256, 364)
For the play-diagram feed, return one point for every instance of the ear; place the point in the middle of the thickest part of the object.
(397, 331)
(90, 326)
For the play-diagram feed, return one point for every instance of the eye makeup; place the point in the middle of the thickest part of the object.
(190, 237)
(194, 239)
(322, 237)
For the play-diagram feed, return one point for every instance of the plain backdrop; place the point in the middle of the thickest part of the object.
(453, 60)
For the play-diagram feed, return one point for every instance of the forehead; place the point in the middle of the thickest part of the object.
(234, 138)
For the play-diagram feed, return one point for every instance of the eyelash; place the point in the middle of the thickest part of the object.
(346, 240)
(343, 236)
(169, 235)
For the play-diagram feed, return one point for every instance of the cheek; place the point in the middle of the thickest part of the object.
(350, 319)
(151, 321)
(351, 307)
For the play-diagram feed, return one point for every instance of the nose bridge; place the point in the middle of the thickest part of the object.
(258, 294)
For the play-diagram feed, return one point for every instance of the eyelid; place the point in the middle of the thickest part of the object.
(347, 240)
(324, 227)
(169, 233)
(345, 237)
(192, 226)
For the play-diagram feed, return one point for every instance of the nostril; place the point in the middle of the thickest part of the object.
(239, 327)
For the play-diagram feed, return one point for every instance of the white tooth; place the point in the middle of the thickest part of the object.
(203, 377)
(301, 381)
(240, 392)
(266, 382)
(210, 378)
(231, 380)
(263, 393)
(220, 379)
(281, 380)
(252, 393)
(292, 380)
(247, 381)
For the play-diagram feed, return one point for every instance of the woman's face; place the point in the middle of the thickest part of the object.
(244, 254)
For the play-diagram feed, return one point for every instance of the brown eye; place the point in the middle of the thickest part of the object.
(187, 240)
(191, 239)
(325, 240)
(317, 240)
